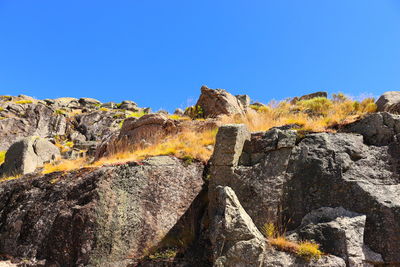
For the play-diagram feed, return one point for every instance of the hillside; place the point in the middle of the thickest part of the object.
(308, 181)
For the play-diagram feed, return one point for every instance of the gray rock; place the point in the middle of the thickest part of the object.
(339, 232)
(85, 101)
(28, 120)
(96, 217)
(28, 154)
(378, 129)
(244, 100)
(389, 101)
(110, 105)
(229, 144)
(235, 239)
(128, 105)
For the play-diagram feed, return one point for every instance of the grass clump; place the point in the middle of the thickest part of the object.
(2, 156)
(60, 112)
(22, 102)
(65, 165)
(1, 109)
(178, 117)
(136, 114)
(304, 249)
(9, 178)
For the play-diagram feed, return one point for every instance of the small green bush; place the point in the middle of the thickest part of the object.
(195, 112)
(317, 105)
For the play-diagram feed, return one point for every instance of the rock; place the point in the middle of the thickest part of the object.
(96, 217)
(85, 101)
(218, 102)
(229, 145)
(314, 95)
(67, 102)
(389, 102)
(95, 125)
(339, 232)
(136, 132)
(110, 105)
(28, 154)
(28, 120)
(378, 129)
(280, 179)
(179, 112)
(128, 105)
(235, 239)
(164, 112)
(339, 170)
(244, 100)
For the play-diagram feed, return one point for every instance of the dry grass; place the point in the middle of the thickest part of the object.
(2, 156)
(187, 144)
(65, 165)
(317, 114)
(9, 178)
(305, 249)
(22, 102)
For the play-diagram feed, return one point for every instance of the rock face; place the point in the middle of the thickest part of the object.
(219, 102)
(281, 178)
(378, 129)
(389, 101)
(28, 154)
(339, 232)
(96, 217)
(27, 120)
(236, 240)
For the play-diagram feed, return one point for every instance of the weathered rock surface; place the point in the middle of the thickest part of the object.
(219, 102)
(378, 129)
(26, 155)
(389, 101)
(282, 183)
(96, 217)
(339, 232)
(236, 240)
(22, 120)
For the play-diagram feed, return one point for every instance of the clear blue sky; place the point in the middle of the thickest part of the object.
(159, 53)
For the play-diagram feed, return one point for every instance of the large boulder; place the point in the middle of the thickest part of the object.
(339, 232)
(26, 155)
(378, 129)
(96, 217)
(389, 101)
(214, 103)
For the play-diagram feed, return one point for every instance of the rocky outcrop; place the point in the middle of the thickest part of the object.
(389, 101)
(99, 217)
(378, 129)
(236, 240)
(28, 154)
(281, 178)
(214, 103)
(339, 232)
(23, 120)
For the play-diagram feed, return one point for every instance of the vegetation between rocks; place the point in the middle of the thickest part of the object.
(305, 249)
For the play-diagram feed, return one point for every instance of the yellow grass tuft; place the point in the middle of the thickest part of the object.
(23, 102)
(9, 178)
(2, 156)
(65, 165)
(308, 250)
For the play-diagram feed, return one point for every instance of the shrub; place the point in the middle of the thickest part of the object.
(23, 102)
(317, 105)
(195, 112)
(60, 112)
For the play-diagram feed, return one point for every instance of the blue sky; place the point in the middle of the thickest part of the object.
(159, 53)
